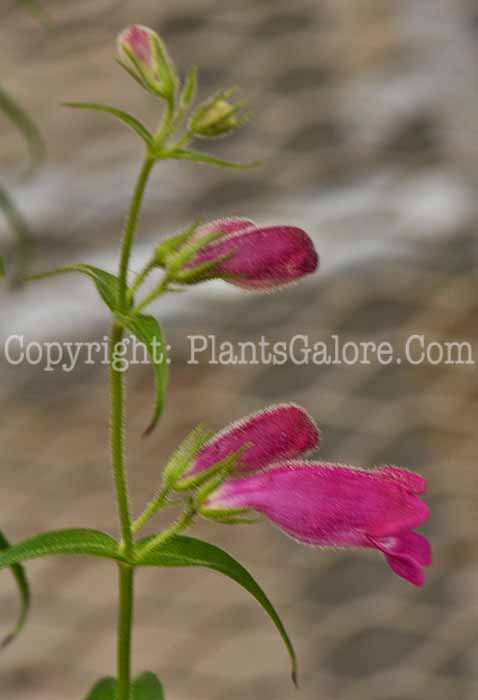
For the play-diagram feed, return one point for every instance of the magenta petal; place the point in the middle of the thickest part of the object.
(415, 482)
(334, 505)
(408, 544)
(278, 432)
(263, 258)
(407, 568)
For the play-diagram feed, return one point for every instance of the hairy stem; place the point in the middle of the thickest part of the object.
(125, 622)
(130, 229)
(151, 509)
(117, 447)
(160, 289)
(181, 524)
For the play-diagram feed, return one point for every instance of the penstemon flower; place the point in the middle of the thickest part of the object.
(331, 505)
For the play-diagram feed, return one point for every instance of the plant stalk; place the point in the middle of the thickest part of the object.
(130, 229)
(117, 446)
(126, 572)
(125, 623)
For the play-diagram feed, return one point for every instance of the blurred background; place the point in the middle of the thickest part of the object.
(365, 116)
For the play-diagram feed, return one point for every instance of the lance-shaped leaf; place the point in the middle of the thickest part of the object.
(189, 551)
(24, 590)
(148, 331)
(70, 541)
(200, 157)
(22, 120)
(120, 114)
(147, 686)
(105, 689)
(106, 283)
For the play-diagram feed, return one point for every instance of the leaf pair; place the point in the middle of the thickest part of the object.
(177, 551)
(146, 687)
(149, 139)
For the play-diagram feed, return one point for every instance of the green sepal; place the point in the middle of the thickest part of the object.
(228, 515)
(190, 551)
(216, 473)
(189, 90)
(148, 331)
(120, 114)
(24, 123)
(83, 541)
(174, 243)
(184, 454)
(203, 272)
(106, 283)
(177, 260)
(167, 70)
(200, 157)
(105, 689)
(147, 686)
(19, 574)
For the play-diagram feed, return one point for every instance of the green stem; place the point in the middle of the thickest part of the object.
(117, 448)
(151, 509)
(130, 229)
(160, 288)
(125, 622)
(184, 521)
(139, 279)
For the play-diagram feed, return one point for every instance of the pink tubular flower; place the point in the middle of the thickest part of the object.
(258, 258)
(278, 432)
(138, 40)
(338, 506)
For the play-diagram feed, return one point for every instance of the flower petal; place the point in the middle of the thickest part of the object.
(409, 544)
(262, 258)
(325, 504)
(278, 432)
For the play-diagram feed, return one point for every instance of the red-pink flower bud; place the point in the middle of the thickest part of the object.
(338, 506)
(260, 258)
(138, 41)
(278, 432)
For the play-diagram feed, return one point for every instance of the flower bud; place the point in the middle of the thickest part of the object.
(217, 116)
(142, 53)
(278, 432)
(256, 258)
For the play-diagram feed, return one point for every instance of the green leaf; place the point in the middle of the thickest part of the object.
(24, 123)
(200, 157)
(105, 689)
(147, 687)
(189, 551)
(71, 541)
(120, 114)
(24, 590)
(148, 331)
(106, 283)
(2, 267)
